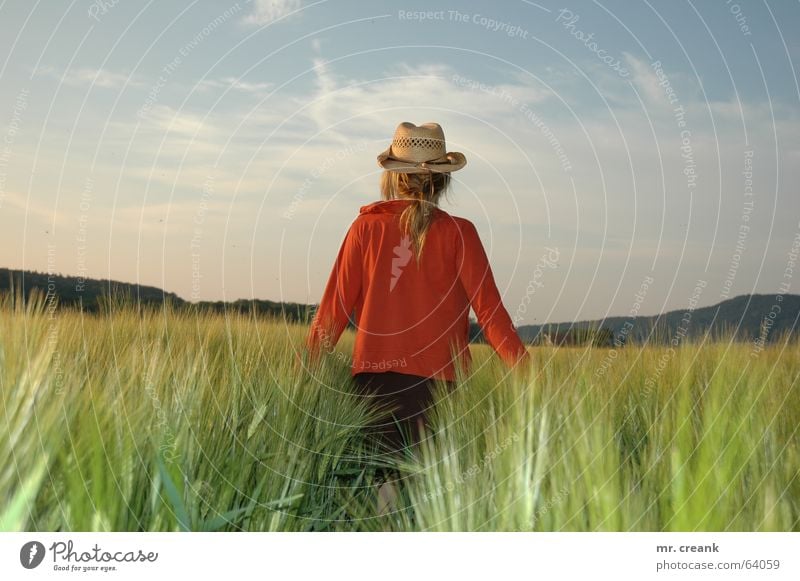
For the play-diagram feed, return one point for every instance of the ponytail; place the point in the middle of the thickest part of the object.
(425, 189)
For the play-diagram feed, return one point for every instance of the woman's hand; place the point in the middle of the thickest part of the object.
(523, 368)
(306, 360)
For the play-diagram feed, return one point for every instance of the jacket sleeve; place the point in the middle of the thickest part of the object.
(340, 295)
(478, 282)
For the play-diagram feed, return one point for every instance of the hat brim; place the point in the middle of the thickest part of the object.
(452, 161)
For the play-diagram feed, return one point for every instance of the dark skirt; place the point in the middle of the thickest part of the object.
(409, 395)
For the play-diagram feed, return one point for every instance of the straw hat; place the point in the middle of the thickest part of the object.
(420, 150)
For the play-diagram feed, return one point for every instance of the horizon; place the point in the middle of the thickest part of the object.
(222, 150)
(471, 316)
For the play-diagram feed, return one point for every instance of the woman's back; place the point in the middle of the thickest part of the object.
(410, 314)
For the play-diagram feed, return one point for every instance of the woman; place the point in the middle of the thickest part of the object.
(412, 315)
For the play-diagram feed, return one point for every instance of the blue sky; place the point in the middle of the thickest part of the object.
(220, 150)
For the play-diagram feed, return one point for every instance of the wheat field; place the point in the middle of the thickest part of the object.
(164, 420)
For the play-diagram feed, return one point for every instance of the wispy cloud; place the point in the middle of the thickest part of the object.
(432, 90)
(25, 204)
(645, 78)
(266, 11)
(232, 83)
(659, 83)
(166, 119)
(87, 76)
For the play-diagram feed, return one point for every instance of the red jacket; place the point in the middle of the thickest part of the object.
(407, 317)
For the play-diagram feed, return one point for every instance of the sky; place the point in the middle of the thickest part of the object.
(623, 157)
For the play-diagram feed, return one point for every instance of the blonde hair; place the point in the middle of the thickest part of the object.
(425, 188)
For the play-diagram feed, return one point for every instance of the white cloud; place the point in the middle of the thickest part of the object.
(646, 79)
(28, 205)
(166, 119)
(417, 93)
(90, 77)
(663, 85)
(266, 11)
(232, 83)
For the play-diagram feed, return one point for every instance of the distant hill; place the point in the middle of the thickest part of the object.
(92, 294)
(743, 314)
(72, 290)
